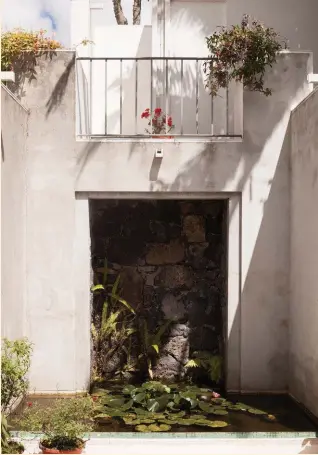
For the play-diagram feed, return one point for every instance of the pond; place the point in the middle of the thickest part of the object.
(182, 408)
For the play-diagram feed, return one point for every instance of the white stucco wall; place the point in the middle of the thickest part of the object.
(254, 174)
(304, 254)
(295, 20)
(13, 221)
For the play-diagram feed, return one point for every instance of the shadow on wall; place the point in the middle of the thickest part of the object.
(310, 445)
(132, 107)
(25, 71)
(59, 91)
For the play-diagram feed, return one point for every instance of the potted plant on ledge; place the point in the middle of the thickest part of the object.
(160, 123)
(63, 424)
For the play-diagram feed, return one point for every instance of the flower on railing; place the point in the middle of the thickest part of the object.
(158, 120)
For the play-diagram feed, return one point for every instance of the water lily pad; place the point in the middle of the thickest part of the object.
(204, 406)
(147, 421)
(197, 417)
(142, 428)
(177, 415)
(219, 412)
(220, 401)
(128, 389)
(132, 421)
(168, 422)
(141, 412)
(256, 411)
(116, 402)
(217, 424)
(235, 408)
(156, 428)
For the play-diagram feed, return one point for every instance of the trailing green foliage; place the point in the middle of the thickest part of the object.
(113, 329)
(63, 423)
(210, 363)
(151, 343)
(149, 406)
(242, 53)
(15, 363)
(7, 445)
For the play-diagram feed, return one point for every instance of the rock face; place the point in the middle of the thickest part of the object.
(171, 256)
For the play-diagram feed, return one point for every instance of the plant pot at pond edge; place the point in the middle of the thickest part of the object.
(52, 450)
(162, 137)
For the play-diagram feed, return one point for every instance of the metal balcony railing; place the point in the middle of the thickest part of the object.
(112, 93)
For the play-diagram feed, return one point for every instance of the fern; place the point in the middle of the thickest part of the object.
(210, 363)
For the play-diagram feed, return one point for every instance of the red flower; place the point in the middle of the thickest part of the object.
(158, 111)
(146, 113)
(29, 404)
(169, 121)
(94, 398)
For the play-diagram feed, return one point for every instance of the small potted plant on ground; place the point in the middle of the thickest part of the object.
(63, 424)
(159, 122)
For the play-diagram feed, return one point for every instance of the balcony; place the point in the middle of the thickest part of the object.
(112, 93)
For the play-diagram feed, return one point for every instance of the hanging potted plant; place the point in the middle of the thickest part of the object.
(242, 53)
(63, 424)
(159, 122)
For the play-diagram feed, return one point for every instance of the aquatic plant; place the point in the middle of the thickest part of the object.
(153, 405)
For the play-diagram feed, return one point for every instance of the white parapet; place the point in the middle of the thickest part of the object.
(7, 76)
(313, 78)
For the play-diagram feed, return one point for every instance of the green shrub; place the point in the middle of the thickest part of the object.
(17, 41)
(242, 53)
(63, 423)
(15, 363)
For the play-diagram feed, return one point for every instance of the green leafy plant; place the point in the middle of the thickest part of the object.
(18, 41)
(15, 364)
(63, 424)
(211, 363)
(151, 343)
(112, 330)
(7, 444)
(242, 53)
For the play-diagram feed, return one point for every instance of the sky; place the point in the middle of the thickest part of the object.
(50, 15)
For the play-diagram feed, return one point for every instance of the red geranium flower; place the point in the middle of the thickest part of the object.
(29, 404)
(146, 113)
(158, 111)
(169, 121)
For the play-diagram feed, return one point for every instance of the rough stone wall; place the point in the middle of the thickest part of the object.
(171, 257)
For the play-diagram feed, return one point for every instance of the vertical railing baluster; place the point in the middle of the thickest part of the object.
(212, 117)
(197, 97)
(136, 95)
(90, 96)
(181, 101)
(121, 96)
(106, 96)
(151, 83)
(78, 100)
(166, 96)
(227, 111)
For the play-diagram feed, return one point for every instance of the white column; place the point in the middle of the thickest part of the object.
(80, 21)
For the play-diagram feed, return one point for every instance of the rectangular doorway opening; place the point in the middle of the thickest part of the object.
(160, 295)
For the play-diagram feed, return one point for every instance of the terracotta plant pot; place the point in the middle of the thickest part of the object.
(162, 137)
(51, 450)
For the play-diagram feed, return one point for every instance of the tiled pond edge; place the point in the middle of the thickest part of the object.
(214, 435)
